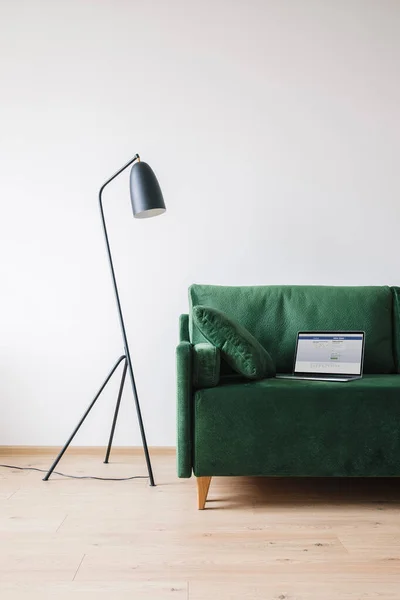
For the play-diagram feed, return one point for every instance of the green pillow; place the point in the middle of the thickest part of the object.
(238, 347)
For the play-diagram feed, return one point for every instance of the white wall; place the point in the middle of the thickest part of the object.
(274, 129)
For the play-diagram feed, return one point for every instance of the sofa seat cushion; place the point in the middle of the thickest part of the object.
(275, 314)
(278, 427)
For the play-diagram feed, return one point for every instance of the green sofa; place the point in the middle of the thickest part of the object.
(228, 425)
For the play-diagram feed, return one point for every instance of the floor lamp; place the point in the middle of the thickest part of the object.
(147, 201)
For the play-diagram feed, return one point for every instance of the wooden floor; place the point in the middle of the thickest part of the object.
(257, 539)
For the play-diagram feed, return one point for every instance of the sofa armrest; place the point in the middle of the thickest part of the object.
(206, 365)
(184, 361)
(184, 328)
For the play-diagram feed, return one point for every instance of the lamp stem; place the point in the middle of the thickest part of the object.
(136, 157)
(122, 324)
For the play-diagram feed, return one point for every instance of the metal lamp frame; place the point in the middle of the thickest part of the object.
(125, 358)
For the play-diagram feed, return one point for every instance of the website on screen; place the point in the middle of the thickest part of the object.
(329, 353)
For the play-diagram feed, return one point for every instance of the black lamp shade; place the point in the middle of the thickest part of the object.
(146, 196)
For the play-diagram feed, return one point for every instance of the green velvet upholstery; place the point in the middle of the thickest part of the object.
(184, 328)
(239, 348)
(274, 315)
(184, 408)
(396, 327)
(206, 365)
(276, 427)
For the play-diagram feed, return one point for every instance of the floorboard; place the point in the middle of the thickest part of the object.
(278, 539)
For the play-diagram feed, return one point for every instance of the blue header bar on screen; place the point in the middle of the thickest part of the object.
(330, 337)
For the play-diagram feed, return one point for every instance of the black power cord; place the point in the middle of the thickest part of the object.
(75, 476)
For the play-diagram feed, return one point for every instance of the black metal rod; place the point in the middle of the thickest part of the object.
(61, 454)
(132, 160)
(122, 324)
(121, 388)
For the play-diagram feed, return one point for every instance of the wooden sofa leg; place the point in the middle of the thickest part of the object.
(203, 485)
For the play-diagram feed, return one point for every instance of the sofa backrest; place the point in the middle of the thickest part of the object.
(274, 315)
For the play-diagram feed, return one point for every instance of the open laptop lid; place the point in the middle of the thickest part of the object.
(330, 353)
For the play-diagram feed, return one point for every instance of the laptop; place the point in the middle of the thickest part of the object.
(328, 356)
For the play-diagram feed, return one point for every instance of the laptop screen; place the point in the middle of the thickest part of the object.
(329, 353)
